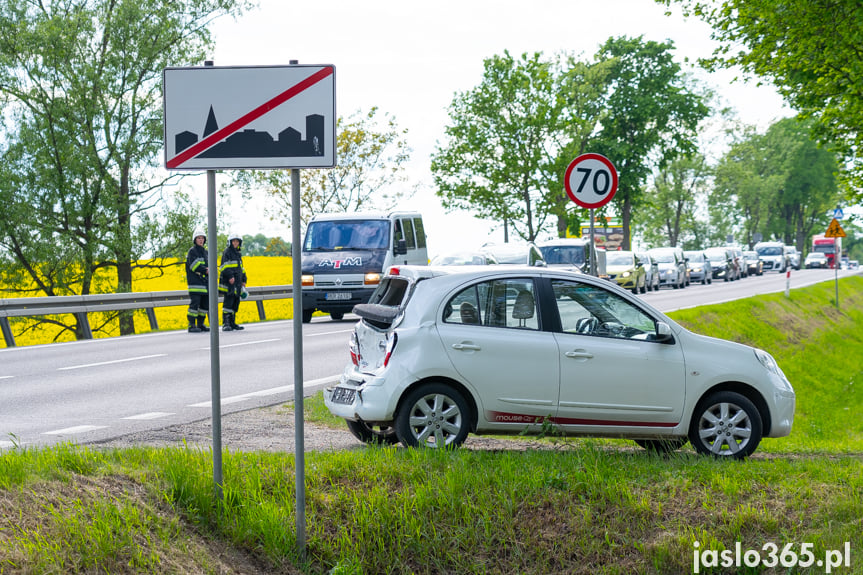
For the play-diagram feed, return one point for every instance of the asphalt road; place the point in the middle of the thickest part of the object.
(98, 389)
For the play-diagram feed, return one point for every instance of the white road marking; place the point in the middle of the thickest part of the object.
(6, 376)
(151, 415)
(270, 391)
(6, 444)
(110, 362)
(328, 333)
(76, 429)
(244, 343)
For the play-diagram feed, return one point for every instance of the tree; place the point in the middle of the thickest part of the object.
(809, 49)
(80, 81)
(669, 214)
(509, 136)
(778, 184)
(653, 117)
(372, 155)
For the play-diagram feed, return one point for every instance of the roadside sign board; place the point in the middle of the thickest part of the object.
(591, 180)
(834, 230)
(253, 117)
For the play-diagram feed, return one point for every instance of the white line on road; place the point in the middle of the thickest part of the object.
(6, 376)
(271, 391)
(328, 333)
(6, 444)
(110, 362)
(244, 343)
(76, 429)
(151, 415)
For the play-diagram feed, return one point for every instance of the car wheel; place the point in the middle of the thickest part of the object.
(725, 424)
(307, 315)
(662, 446)
(381, 435)
(433, 415)
(337, 315)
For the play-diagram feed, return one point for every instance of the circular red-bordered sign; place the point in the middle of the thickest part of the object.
(591, 180)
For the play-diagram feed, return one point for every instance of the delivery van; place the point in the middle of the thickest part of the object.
(345, 254)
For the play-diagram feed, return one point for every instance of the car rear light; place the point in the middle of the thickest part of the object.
(354, 346)
(372, 279)
(391, 345)
(307, 280)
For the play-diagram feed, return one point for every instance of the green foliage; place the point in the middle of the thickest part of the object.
(80, 81)
(778, 184)
(372, 155)
(808, 49)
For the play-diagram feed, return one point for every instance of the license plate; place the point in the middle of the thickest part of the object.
(337, 295)
(343, 395)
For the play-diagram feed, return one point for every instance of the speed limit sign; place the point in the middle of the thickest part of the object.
(591, 180)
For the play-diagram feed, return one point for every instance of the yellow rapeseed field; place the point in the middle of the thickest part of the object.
(261, 271)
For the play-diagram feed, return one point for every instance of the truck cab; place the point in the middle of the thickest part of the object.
(344, 256)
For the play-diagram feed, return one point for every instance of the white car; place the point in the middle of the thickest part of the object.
(444, 351)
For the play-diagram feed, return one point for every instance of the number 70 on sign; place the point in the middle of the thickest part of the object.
(591, 180)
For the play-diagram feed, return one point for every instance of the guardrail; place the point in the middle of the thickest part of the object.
(81, 305)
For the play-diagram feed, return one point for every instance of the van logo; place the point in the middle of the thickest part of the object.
(337, 264)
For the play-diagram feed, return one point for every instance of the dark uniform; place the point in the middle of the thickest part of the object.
(196, 278)
(231, 267)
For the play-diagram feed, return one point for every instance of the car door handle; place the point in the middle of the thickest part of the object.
(466, 347)
(579, 354)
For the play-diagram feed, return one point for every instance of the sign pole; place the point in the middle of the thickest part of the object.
(592, 247)
(213, 296)
(299, 427)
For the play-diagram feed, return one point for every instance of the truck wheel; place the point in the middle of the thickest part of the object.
(307, 315)
(337, 315)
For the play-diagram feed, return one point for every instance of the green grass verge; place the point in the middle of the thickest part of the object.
(584, 506)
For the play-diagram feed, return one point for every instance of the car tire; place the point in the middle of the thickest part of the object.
(376, 435)
(433, 415)
(725, 424)
(337, 315)
(307, 315)
(662, 446)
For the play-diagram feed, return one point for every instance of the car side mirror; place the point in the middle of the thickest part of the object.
(401, 248)
(663, 333)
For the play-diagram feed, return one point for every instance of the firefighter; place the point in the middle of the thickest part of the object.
(232, 282)
(196, 278)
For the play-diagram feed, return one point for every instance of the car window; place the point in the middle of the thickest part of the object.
(408, 229)
(420, 232)
(589, 310)
(507, 303)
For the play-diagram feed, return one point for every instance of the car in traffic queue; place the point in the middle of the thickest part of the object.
(721, 263)
(816, 260)
(793, 256)
(464, 258)
(651, 270)
(700, 268)
(441, 352)
(773, 255)
(739, 261)
(754, 265)
(624, 268)
(672, 266)
(515, 253)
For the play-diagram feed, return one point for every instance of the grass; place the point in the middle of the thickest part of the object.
(567, 506)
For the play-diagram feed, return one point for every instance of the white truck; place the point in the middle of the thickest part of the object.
(345, 254)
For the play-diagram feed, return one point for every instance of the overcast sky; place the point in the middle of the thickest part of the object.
(409, 59)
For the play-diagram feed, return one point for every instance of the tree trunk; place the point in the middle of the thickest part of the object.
(123, 250)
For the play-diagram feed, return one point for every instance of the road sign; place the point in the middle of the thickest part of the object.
(249, 117)
(591, 180)
(834, 230)
(838, 214)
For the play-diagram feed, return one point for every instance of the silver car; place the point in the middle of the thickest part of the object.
(441, 352)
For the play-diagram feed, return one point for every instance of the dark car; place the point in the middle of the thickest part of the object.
(722, 263)
(754, 264)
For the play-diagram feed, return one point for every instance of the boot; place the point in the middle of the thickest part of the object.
(192, 327)
(226, 322)
(201, 325)
(234, 323)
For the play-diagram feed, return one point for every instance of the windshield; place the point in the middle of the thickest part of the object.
(347, 235)
(563, 255)
(618, 259)
(666, 258)
(695, 256)
(769, 251)
(715, 255)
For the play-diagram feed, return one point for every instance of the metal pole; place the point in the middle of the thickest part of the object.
(299, 439)
(213, 292)
(836, 259)
(592, 247)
